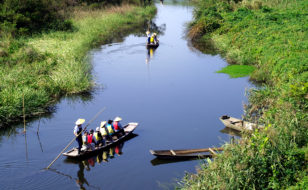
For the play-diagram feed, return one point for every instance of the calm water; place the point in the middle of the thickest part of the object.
(175, 95)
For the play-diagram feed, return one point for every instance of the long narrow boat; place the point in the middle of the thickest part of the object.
(238, 124)
(128, 129)
(152, 45)
(185, 154)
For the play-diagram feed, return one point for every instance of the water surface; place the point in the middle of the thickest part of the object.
(173, 93)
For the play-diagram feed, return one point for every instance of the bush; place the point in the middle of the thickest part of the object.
(31, 16)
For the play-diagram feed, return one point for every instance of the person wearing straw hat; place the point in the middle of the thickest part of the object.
(77, 133)
(155, 38)
(118, 127)
(104, 132)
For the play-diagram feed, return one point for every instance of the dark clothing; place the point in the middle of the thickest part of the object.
(79, 139)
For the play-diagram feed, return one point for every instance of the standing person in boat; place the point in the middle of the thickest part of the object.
(77, 133)
(118, 127)
(149, 37)
(98, 137)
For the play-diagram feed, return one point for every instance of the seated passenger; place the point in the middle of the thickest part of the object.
(91, 140)
(152, 39)
(110, 128)
(155, 38)
(118, 127)
(86, 145)
(98, 137)
(104, 132)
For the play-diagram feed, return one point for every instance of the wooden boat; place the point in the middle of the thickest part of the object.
(128, 129)
(238, 124)
(185, 154)
(151, 45)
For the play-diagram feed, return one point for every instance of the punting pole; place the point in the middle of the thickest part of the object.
(23, 111)
(76, 137)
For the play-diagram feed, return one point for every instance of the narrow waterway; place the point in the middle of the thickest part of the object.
(173, 93)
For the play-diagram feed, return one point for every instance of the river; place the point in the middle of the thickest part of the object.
(174, 94)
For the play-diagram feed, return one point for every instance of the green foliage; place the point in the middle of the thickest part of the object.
(236, 71)
(30, 16)
(272, 36)
(43, 67)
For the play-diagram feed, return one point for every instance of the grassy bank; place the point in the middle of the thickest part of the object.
(46, 66)
(271, 36)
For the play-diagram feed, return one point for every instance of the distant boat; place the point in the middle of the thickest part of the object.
(238, 124)
(185, 154)
(128, 129)
(153, 45)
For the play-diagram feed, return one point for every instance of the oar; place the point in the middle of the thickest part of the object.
(76, 137)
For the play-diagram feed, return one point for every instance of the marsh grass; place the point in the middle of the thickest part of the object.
(46, 66)
(272, 37)
(235, 71)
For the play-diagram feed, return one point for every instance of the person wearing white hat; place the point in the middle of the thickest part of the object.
(98, 137)
(104, 132)
(78, 131)
(118, 127)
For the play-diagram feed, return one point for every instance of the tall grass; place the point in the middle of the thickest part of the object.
(272, 36)
(52, 64)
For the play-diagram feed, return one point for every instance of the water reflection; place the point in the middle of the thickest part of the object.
(150, 54)
(231, 132)
(157, 161)
(101, 158)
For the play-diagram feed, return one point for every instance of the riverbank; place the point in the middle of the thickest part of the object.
(44, 67)
(271, 37)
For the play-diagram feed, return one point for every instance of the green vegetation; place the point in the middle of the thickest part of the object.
(272, 36)
(236, 71)
(47, 65)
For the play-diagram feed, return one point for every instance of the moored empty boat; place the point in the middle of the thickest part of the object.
(128, 129)
(185, 154)
(238, 124)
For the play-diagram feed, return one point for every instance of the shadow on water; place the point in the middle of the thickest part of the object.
(80, 180)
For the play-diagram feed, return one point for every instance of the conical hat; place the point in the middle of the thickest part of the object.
(117, 119)
(80, 121)
(103, 123)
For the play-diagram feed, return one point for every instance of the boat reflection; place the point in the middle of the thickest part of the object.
(102, 157)
(157, 161)
(231, 132)
(150, 54)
